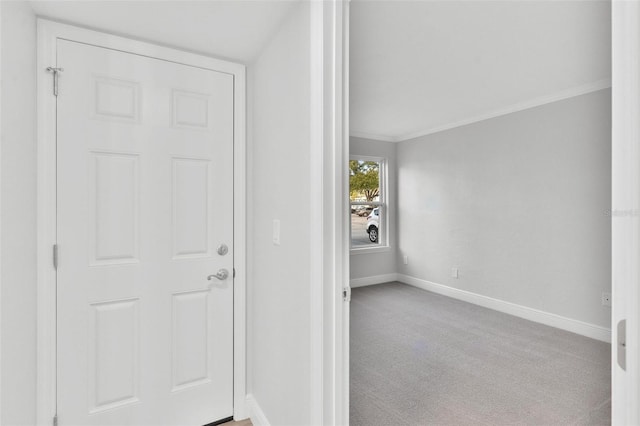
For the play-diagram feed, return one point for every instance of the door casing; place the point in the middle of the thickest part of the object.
(48, 34)
(625, 206)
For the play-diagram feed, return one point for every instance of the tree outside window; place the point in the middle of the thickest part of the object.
(366, 203)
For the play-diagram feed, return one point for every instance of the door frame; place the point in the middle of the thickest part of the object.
(48, 34)
(329, 137)
(625, 215)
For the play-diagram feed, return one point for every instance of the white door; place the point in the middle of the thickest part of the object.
(145, 198)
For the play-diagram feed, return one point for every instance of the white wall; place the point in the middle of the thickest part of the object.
(279, 185)
(18, 273)
(384, 263)
(518, 203)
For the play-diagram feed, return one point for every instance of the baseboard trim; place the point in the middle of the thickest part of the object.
(255, 412)
(376, 279)
(575, 326)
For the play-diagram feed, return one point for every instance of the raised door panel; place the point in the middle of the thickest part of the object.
(191, 215)
(114, 354)
(115, 198)
(190, 339)
(116, 99)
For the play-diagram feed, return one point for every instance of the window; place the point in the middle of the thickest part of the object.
(367, 203)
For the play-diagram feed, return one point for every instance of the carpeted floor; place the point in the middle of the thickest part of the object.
(418, 358)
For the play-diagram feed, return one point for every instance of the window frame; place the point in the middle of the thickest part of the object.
(382, 203)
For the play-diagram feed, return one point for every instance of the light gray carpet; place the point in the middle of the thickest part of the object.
(418, 358)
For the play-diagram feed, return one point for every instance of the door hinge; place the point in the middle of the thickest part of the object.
(55, 420)
(55, 256)
(346, 294)
(56, 72)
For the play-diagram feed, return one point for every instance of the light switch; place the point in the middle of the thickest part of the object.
(276, 232)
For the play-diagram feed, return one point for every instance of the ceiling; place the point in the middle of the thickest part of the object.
(417, 67)
(229, 29)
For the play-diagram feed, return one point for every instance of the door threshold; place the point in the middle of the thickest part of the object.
(221, 421)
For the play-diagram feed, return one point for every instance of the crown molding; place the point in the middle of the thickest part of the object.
(364, 135)
(520, 106)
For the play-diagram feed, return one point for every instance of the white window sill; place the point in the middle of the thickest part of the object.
(370, 250)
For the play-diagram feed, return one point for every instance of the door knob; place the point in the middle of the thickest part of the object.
(222, 275)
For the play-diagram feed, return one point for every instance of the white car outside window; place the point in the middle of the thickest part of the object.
(373, 225)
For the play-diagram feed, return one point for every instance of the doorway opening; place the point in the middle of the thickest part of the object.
(499, 197)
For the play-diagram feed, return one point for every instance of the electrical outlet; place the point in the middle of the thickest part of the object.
(606, 299)
(454, 272)
(405, 260)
